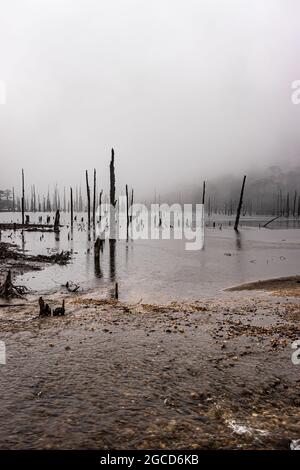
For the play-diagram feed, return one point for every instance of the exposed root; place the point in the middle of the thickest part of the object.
(9, 291)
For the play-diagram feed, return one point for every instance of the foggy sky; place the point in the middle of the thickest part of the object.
(182, 89)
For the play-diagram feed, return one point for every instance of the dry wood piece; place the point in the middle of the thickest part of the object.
(72, 287)
(60, 258)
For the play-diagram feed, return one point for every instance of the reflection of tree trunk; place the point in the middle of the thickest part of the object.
(97, 247)
(112, 259)
(56, 221)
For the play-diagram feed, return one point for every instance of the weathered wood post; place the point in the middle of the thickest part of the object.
(23, 199)
(88, 198)
(237, 220)
(71, 204)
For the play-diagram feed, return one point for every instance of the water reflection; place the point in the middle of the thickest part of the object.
(161, 270)
(112, 260)
(238, 240)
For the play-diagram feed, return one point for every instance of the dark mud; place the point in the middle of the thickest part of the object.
(208, 375)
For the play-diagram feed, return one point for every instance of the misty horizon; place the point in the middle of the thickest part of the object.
(183, 92)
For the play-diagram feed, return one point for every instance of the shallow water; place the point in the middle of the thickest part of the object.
(162, 270)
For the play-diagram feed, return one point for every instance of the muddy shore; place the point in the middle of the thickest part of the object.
(210, 375)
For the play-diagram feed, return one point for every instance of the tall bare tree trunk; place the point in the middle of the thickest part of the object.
(88, 198)
(237, 220)
(203, 193)
(131, 205)
(23, 199)
(112, 195)
(127, 212)
(71, 204)
(94, 200)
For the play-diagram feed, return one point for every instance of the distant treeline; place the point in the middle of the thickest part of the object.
(274, 192)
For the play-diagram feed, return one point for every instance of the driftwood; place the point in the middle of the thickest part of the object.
(72, 287)
(270, 221)
(60, 258)
(27, 227)
(9, 291)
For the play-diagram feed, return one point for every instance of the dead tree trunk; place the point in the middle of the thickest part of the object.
(71, 204)
(131, 206)
(94, 200)
(127, 212)
(100, 204)
(203, 193)
(56, 221)
(112, 195)
(13, 195)
(88, 198)
(288, 205)
(237, 220)
(23, 199)
(112, 179)
(9, 291)
(294, 204)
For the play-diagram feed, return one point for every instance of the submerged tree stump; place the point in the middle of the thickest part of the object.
(9, 291)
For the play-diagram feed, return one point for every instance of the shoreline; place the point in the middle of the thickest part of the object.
(202, 375)
(205, 374)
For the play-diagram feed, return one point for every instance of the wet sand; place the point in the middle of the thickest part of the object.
(212, 374)
(282, 286)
